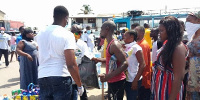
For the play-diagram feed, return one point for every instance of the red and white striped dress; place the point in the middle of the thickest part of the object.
(162, 81)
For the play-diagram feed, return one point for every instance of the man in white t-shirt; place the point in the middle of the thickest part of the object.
(90, 38)
(84, 36)
(4, 45)
(80, 44)
(57, 59)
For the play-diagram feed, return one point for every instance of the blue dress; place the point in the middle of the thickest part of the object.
(28, 69)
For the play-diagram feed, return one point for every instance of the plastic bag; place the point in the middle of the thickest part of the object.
(88, 73)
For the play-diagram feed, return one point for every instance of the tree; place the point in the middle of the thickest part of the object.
(35, 28)
(87, 9)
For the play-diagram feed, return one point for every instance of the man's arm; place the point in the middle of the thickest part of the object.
(116, 49)
(103, 60)
(72, 66)
(178, 63)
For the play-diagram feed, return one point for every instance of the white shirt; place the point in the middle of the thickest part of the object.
(90, 42)
(133, 65)
(191, 29)
(4, 38)
(82, 46)
(84, 37)
(52, 42)
(154, 51)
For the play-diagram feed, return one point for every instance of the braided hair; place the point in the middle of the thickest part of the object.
(174, 37)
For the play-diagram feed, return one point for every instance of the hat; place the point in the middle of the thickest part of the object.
(197, 14)
(126, 29)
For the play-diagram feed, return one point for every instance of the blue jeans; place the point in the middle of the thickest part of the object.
(131, 94)
(75, 93)
(55, 88)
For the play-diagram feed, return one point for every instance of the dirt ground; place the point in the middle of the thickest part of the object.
(10, 80)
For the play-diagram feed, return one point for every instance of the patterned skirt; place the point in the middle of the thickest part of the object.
(194, 75)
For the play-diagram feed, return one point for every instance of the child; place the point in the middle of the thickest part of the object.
(13, 46)
(136, 64)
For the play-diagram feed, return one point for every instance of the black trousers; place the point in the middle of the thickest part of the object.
(5, 52)
(117, 89)
(185, 80)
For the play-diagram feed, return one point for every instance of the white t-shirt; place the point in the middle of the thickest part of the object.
(133, 65)
(154, 51)
(4, 38)
(90, 42)
(191, 29)
(84, 37)
(52, 42)
(82, 46)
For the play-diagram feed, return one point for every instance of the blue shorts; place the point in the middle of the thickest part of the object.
(13, 47)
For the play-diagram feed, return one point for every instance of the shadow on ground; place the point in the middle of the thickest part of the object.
(9, 85)
(95, 97)
(14, 79)
(2, 67)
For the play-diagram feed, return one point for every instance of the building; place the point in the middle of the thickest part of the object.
(9, 25)
(2, 14)
(95, 21)
(14, 25)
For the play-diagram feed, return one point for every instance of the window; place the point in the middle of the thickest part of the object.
(121, 26)
(79, 20)
(104, 19)
(151, 24)
(142, 22)
(156, 23)
(91, 20)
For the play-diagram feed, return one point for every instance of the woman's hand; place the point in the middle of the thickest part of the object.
(29, 57)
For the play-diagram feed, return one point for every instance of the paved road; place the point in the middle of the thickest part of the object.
(9, 77)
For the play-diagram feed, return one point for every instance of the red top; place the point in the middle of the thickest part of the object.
(119, 77)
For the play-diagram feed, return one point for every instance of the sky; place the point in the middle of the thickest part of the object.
(38, 13)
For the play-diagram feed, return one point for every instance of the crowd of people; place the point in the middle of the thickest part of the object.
(161, 63)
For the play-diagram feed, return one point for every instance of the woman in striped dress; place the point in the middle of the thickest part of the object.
(169, 69)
